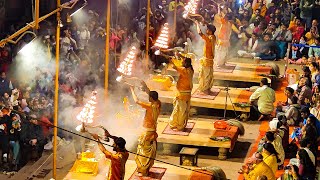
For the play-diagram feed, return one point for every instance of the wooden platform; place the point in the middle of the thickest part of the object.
(243, 72)
(172, 172)
(199, 136)
(236, 95)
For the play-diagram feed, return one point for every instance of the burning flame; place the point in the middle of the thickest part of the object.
(126, 65)
(162, 41)
(190, 8)
(87, 113)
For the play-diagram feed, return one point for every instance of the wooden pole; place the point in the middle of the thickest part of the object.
(147, 35)
(106, 78)
(56, 95)
(26, 28)
(37, 14)
(175, 17)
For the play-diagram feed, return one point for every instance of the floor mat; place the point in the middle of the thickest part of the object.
(155, 173)
(215, 92)
(186, 131)
(228, 68)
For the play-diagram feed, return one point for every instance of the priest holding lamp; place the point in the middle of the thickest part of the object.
(118, 160)
(181, 103)
(147, 142)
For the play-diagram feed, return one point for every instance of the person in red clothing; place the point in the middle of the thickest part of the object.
(118, 160)
(45, 123)
(297, 29)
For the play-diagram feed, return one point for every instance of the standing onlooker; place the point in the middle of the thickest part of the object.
(5, 84)
(282, 37)
(306, 7)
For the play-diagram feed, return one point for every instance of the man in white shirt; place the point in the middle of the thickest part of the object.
(262, 101)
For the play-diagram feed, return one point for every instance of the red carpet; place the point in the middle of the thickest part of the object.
(215, 92)
(263, 70)
(228, 68)
(156, 173)
(186, 131)
(201, 175)
(244, 96)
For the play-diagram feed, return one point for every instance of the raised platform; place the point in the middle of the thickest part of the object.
(236, 95)
(199, 136)
(243, 72)
(171, 173)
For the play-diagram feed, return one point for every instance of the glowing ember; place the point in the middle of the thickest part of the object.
(190, 8)
(126, 65)
(162, 41)
(87, 113)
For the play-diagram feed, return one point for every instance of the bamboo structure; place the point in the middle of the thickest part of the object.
(56, 95)
(147, 35)
(106, 78)
(37, 14)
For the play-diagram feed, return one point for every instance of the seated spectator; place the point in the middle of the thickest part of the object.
(290, 111)
(312, 35)
(250, 47)
(282, 37)
(262, 100)
(260, 168)
(315, 74)
(267, 49)
(285, 129)
(270, 157)
(291, 172)
(255, 16)
(304, 92)
(275, 139)
(296, 28)
(309, 131)
(314, 51)
(308, 117)
(307, 168)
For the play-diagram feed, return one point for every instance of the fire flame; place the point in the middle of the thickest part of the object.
(126, 65)
(162, 41)
(87, 113)
(190, 8)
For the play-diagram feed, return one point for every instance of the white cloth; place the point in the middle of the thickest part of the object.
(221, 55)
(252, 46)
(311, 155)
(265, 97)
(180, 114)
(205, 78)
(277, 143)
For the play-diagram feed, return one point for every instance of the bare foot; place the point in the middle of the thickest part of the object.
(140, 174)
(206, 92)
(261, 118)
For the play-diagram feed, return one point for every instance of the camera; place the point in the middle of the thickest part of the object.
(287, 168)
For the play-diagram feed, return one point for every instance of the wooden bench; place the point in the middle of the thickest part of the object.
(236, 95)
(199, 136)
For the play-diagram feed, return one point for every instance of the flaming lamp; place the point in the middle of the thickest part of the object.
(125, 67)
(190, 8)
(162, 41)
(87, 113)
